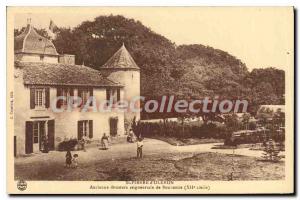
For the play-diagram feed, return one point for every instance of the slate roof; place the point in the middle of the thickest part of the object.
(120, 60)
(35, 73)
(31, 42)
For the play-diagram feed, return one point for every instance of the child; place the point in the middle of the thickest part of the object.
(140, 145)
(68, 159)
(75, 161)
(130, 136)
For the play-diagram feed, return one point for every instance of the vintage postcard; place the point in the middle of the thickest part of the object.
(150, 100)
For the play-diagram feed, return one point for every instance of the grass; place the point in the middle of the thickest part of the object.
(171, 166)
(188, 141)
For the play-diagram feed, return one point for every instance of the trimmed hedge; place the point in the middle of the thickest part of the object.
(178, 130)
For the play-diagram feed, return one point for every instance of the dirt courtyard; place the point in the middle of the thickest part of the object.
(161, 161)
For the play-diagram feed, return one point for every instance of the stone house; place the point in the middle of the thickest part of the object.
(41, 75)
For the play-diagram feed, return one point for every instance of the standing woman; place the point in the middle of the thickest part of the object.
(104, 141)
(46, 145)
(68, 159)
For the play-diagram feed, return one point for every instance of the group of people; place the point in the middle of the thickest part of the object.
(72, 161)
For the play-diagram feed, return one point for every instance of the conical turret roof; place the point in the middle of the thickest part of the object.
(120, 60)
(31, 42)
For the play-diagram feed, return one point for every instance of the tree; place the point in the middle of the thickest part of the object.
(267, 86)
(231, 122)
(43, 32)
(246, 119)
(188, 71)
(264, 115)
(252, 125)
(271, 152)
(279, 118)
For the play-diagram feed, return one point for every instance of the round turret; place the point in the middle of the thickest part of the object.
(121, 68)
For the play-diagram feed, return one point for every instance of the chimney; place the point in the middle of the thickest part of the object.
(66, 59)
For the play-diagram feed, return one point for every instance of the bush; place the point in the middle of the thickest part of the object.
(252, 125)
(67, 145)
(271, 152)
(230, 142)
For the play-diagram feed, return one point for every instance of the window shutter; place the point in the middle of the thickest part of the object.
(118, 95)
(42, 130)
(71, 92)
(107, 94)
(47, 97)
(32, 98)
(90, 128)
(79, 130)
(80, 95)
(51, 134)
(58, 93)
(91, 94)
(71, 95)
(28, 137)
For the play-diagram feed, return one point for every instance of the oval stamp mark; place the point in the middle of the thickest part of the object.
(22, 185)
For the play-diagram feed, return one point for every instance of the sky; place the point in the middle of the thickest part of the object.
(260, 37)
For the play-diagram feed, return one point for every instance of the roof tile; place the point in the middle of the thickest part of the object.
(61, 74)
(31, 42)
(120, 60)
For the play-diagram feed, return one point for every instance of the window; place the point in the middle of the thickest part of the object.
(67, 93)
(41, 57)
(85, 94)
(39, 98)
(113, 95)
(38, 131)
(85, 129)
(35, 133)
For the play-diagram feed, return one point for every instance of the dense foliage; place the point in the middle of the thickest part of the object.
(186, 71)
(177, 130)
(271, 152)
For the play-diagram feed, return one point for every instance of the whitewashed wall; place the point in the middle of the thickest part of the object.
(65, 122)
(131, 81)
(36, 58)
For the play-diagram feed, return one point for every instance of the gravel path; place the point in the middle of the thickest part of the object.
(127, 150)
(157, 154)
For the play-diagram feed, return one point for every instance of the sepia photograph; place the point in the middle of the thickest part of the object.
(145, 100)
